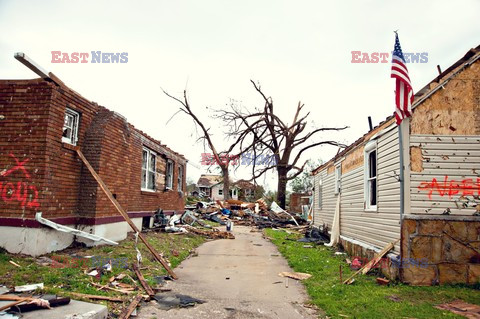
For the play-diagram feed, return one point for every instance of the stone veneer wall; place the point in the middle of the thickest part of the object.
(449, 260)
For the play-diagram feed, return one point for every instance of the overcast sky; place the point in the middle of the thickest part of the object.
(296, 50)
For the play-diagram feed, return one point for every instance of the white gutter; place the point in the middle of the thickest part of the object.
(66, 229)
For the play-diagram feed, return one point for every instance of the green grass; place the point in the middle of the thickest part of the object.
(364, 298)
(61, 281)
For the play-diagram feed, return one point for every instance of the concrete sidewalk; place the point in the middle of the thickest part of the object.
(237, 279)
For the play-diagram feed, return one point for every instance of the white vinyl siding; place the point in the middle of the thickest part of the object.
(454, 163)
(377, 229)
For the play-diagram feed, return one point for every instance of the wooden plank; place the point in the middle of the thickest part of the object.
(377, 258)
(144, 283)
(129, 310)
(366, 268)
(96, 297)
(110, 288)
(125, 215)
(13, 304)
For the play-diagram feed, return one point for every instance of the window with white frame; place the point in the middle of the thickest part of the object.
(149, 162)
(338, 179)
(180, 178)
(220, 191)
(70, 127)
(370, 173)
(169, 175)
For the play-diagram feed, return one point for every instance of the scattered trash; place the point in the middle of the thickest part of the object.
(295, 275)
(26, 288)
(93, 273)
(356, 264)
(14, 263)
(170, 301)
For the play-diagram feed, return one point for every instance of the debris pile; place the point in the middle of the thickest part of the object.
(257, 214)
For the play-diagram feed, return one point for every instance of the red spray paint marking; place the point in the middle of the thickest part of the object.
(10, 192)
(466, 187)
(19, 166)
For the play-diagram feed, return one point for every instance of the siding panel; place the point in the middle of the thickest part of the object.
(449, 177)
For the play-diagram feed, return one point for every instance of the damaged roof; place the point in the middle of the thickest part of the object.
(469, 58)
(209, 180)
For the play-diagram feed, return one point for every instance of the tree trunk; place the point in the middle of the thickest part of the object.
(226, 182)
(282, 187)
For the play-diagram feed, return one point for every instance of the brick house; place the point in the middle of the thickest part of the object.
(439, 227)
(41, 123)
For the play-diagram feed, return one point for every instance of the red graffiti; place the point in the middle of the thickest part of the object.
(466, 187)
(22, 192)
(19, 166)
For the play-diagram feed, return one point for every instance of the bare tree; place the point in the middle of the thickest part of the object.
(275, 139)
(224, 158)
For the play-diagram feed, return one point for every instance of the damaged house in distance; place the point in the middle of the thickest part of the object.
(42, 125)
(439, 234)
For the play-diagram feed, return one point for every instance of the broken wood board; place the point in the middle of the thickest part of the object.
(16, 302)
(295, 275)
(144, 283)
(96, 297)
(126, 313)
(125, 215)
(100, 287)
(462, 308)
(372, 262)
(378, 257)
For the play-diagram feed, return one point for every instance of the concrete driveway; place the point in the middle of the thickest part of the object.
(237, 279)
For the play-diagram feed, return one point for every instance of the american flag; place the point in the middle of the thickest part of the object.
(403, 86)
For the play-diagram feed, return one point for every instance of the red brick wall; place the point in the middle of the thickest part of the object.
(31, 130)
(24, 115)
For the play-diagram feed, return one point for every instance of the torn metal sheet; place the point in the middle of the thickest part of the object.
(73, 231)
